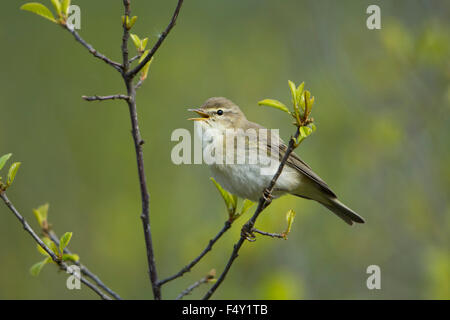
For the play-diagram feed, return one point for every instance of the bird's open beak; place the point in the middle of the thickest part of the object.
(203, 115)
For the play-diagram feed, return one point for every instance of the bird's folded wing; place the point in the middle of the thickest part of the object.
(295, 162)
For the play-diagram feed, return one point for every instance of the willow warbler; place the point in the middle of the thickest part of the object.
(221, 119)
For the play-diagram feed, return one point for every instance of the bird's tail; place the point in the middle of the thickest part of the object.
(342, 211)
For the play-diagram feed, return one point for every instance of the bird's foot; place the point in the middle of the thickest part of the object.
(247, 233)
(267, 195)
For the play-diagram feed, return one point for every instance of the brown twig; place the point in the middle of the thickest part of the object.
(138, 84)
(103, 98)
(138, 142)
(56, 259)
(162, 37)
(264, 201)
(128, 76)
(84, 270)
(208, 248)
(273, 235)
(130, 98)
(135, 58)
(94, 52)
(208, 278)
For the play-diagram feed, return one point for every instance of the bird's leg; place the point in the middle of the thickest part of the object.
(247, 230)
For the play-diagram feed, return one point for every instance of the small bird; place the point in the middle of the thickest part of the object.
(222, 119)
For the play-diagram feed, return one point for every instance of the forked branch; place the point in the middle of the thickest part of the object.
(62, 265)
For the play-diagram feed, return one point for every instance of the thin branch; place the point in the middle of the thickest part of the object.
(103, 98)
(273, 235)
(210, 276)
(162, 37)
(126, 36)
(128, 76)
(264, 201)
(84, 269)
(138, 143)
(138, 84)
(135, 58)
(52, 255)
(145, 214)
(208, 248)
(94, 52)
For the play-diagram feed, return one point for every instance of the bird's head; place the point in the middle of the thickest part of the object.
(219, 113)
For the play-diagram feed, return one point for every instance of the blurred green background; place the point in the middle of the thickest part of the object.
(382, 113)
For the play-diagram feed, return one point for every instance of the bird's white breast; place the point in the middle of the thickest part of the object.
(246, 180)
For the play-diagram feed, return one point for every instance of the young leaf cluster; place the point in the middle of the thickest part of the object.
(231, 202)
(290, 215)
(61, 7)
(129, 23)
(140, 45)
(302, 103)
(13, 169)
(41, 214)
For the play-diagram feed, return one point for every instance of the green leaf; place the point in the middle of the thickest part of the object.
(293, 92)
(230, 200)
(313, 127)
(305, 131)
(300, 91)
(47, 241)
(299, 96)
(144, 44)
(247, 205)
(302, 101)
(39, 9)
(4, 159)
(12, 173)
(308, 102)
(290, 219)
(57, 6)
(64, 241)
(37, 267)
(65, 7)
(51, 245)
(311, 101)
(131, 22)
(136, 40)
(145, 69)
(298, 140)
(41, 250)
(234, 200)
(41, 214)
(274, 104)
(55, 249)
(70, 257)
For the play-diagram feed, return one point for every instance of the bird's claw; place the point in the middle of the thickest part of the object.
(247, 233)
(267, 196)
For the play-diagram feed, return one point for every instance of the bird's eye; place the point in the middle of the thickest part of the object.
(220, 112)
